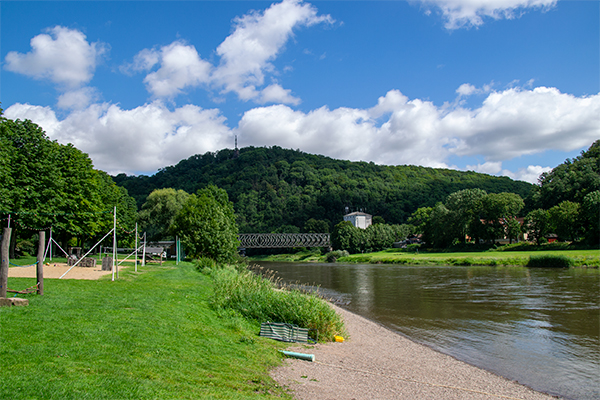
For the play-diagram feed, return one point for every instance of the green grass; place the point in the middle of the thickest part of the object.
(590, 258)
(150, 335)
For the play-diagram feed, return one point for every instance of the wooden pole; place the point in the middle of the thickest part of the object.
(144, 252)
(114, 243)
(136, 246)
(5, 261)
(40, 263)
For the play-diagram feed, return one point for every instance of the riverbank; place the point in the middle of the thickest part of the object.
(580, 258)
(376, 363)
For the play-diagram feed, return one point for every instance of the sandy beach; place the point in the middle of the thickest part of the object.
(56, 270)
(376, 363)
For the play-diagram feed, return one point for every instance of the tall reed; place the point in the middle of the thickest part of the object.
(265, 299)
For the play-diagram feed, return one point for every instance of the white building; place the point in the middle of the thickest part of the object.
(359, 219)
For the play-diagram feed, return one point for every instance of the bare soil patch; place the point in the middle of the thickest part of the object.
(55, 271)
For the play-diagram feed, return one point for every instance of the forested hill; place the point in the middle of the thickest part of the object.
(279, 189)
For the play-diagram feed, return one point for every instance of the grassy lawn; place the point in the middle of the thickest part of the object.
(590, 258)
(150, 335)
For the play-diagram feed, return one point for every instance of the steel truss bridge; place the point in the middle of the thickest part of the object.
(283, 240)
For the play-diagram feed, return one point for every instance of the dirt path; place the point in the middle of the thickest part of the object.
(376, 363)
(55, 271)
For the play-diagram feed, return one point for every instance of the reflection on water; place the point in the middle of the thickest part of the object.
(540, 327)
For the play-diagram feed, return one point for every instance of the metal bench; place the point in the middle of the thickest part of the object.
(286, 332)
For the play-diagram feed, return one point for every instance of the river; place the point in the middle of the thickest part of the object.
(540, 327)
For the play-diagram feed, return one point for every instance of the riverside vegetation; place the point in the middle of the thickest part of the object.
(559, 255)
(168, 332)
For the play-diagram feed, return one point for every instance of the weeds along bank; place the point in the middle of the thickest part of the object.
(160, 333)
(238, 291)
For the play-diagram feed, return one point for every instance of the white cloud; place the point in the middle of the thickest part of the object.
(61, 55)
(471, 13)
(78, 99)
(180, 67)
(258, 38)
(466, 89)
(518, 122)
(529, 174)
(276, 94)
(143, 139)
(246, 57)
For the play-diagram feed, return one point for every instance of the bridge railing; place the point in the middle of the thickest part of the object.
(283, 240)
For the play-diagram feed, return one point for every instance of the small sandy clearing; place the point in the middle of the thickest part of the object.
(55, 271)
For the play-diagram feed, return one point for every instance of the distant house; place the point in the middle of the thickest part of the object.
(359, 219)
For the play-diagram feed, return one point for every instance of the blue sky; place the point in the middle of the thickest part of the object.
(505, 87)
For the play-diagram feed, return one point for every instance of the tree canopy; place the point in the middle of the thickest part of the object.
(46, 184)
(206, 225)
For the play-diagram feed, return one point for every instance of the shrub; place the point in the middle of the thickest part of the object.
(550, 261)
(333, 256)
(257, 298)
(205, 262)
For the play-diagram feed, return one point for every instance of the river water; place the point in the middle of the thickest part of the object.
(540, 327)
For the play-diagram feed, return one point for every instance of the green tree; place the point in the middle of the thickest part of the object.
(49, 184)
(378, 220)
(346, 236)
(537, 224)
(464, 206)
(159, 210)
(591, 217)
(571, 180)
(420, 220)
(512, 228)
(316, 226)
(438, 232)
(497, 209)
(206, 225)
(564, 220)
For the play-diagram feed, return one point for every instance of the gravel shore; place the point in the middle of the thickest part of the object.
(376, 363)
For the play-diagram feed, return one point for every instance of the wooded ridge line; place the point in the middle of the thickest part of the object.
(279, 190)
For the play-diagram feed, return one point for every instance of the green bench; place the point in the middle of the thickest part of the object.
(286, 332)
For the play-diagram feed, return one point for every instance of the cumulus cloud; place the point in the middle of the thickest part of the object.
(245, 57)
(518, 122)
(78, 99)
(471, 13)
(258, 38)
(142, 139)
(62, 55)
(180, 67)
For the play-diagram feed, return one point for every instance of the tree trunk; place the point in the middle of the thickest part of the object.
(4, 251)
(40, 262)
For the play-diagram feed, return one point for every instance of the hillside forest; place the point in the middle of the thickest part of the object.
(281, 190)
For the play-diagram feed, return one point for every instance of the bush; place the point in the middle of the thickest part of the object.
(550, 261)
(333, 256)
(205, 262)
(256, 297)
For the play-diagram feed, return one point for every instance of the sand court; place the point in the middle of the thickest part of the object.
(56, 270)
